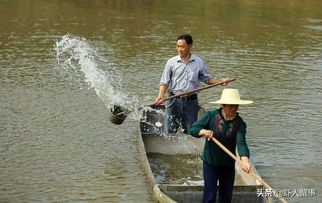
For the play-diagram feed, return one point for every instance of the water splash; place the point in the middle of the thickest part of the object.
(77, 54)
(78, 57)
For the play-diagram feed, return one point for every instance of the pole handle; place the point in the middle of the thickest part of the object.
(251, 172)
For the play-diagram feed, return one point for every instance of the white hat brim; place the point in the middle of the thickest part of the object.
(240, 102)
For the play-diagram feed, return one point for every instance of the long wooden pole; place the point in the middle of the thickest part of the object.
(185, 93)
(196, 90)
(251, 172)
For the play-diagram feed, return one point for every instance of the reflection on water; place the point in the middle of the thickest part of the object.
(57, 143)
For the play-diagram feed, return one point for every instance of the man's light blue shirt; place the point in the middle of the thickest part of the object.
(180, 76)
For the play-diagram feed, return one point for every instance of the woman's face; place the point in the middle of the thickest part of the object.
(230, 110)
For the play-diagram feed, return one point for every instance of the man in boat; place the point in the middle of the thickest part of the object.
(182, 73)
(229, 129)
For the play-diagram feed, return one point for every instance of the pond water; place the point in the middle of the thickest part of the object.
(57, 142)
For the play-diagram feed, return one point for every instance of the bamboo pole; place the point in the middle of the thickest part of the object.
(125, 112)
(251, 172)
(196, 90)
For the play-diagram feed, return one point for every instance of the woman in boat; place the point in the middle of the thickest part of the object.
(227, 127)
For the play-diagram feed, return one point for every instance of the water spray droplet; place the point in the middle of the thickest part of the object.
(158, 124)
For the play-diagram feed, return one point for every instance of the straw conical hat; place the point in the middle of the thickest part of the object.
(231, 96)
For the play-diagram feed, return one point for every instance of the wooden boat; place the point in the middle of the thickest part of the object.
(165, 158)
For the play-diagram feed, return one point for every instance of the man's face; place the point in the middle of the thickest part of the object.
(183, 48)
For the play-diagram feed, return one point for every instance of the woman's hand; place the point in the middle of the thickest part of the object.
(206, 133)
(246, 165)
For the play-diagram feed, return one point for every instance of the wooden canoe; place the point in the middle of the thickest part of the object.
(174, 170)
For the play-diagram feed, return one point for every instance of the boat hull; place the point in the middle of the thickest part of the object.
(193, 193)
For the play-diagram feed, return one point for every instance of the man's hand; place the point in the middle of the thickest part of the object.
(225, 81)
(159, 100)
(215, 81)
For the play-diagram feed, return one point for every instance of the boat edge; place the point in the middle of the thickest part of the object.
(157, 194)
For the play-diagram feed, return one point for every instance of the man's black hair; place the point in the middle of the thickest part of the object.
(187, 38)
